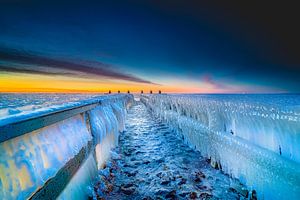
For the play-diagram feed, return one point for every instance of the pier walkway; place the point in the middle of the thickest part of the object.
(151, 162)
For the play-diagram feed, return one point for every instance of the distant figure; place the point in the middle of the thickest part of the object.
(109, 92)
(150, 91)
(280, 150)
(231, 131)
(142, 92)
(128, 92)
(159, 92)
(253, 195)
(119, 91)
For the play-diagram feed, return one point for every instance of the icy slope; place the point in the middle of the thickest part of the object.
(243, 134)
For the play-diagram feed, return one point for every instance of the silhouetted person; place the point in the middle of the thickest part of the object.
(253, 195)
(142, 92)
(159, 92)
(150, 91)
(128, 92)
(280, 150)
(109, 92)
(119, 91)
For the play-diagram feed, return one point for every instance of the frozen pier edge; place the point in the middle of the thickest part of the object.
(254, 141)
(56, 152)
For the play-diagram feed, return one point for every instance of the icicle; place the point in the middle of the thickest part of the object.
(249, 151)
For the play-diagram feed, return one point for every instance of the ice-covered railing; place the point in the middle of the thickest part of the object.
(54, 152)
(255, 138)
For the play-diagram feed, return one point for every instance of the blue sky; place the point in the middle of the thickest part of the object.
(229, 48)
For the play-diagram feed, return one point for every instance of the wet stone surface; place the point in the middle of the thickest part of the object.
(151, 162)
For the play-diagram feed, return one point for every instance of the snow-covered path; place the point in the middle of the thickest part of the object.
(151, 162)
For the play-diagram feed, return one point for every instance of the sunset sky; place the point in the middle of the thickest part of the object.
(173, 46)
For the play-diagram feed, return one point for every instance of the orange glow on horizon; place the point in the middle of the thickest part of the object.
(26, 83)
(54, 84)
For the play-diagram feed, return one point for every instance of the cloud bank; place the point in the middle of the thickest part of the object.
(29, 62)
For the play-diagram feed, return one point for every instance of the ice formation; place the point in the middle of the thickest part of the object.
(78, 187)
(106, 122)
(253, 138)
(21, 103)
(28, 161)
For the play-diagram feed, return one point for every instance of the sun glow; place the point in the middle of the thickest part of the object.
(14, 82)
(28, 83)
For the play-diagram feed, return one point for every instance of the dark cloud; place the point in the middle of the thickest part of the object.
(4, 68)
(29, 58)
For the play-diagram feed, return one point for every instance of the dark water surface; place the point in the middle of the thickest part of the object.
(151, 162)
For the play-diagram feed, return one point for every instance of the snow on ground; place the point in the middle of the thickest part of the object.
(151, 162)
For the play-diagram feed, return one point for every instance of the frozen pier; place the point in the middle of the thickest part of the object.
(159, 147)
(151, 162)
